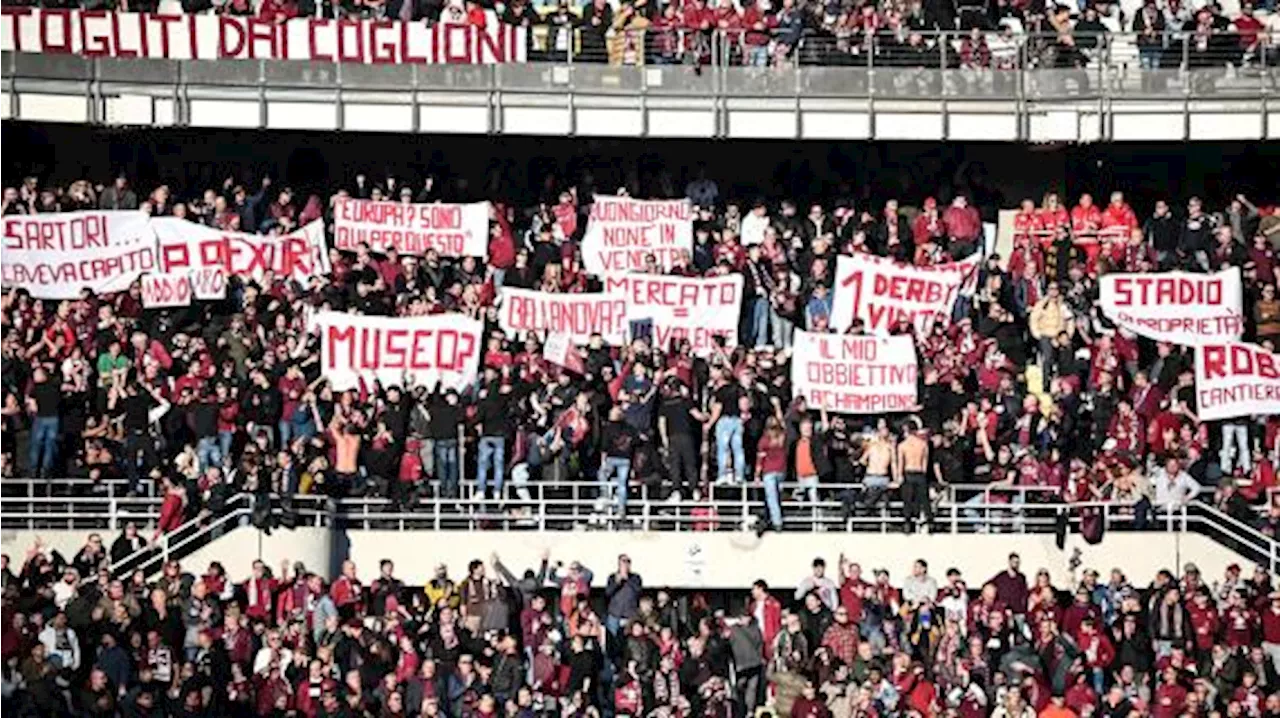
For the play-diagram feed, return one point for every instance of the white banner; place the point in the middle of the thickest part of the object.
(209, 283)
(1179, 307)
(439, 347)
(881, 292)
(622, 232)
(576, 315)
(185, 245)
(682, 308)
(1235, 379)
(100, 33)
(854, 374)
(166, 290)
(452, 230)
(55, 256)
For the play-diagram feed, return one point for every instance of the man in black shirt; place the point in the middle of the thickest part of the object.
(202, 413)
(445, 416)
(492, 415)
(45, 401)
(616, 441)
(136, 402)
(679, 426)
(726, 414)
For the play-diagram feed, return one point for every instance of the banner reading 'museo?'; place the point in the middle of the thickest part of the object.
(881, 292)
(854, 374)
(1179, 307)
(623, 232)
(56, 256)
(440, 347)
(452, 230)
(1236, 379)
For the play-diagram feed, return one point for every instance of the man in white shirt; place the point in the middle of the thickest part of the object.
(753, 225)
(60, 642)
(1174, 488)
(819, 583)
(919, 586)
(67, 588)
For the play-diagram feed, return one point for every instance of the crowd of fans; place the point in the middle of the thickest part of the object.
(986, 34)
(1029, 391)
(559, 641)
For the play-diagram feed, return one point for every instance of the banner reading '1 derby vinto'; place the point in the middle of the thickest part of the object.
(55, 256)
(854, 374)
(1178, 307)
(452, 230)
(440, 347)
(882, 292)
(1235, 379)
(622, 232)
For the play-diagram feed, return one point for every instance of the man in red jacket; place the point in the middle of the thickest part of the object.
(346, 591)
(964, 227)
(1170, 697)
(767, 612)
(260, 591)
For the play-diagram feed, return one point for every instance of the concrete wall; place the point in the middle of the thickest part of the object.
(721, 559)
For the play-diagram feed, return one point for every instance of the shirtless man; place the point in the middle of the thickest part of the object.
(878, 457)
(910, 471)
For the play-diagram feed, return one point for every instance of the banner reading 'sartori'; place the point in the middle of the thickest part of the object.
(439, 347)
(881, 292)
(452, 230)
(577, 316)
(1179, 307)
(854, 374)
(56, 256)
(1236, 379)
(699, 310)
(623, 232)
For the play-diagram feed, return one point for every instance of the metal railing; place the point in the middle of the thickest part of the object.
(589, 506)
(1023, 67)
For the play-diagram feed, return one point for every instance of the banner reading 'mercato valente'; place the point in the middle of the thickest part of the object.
(1179, 307)
(622, 232)
(440, 347)
(854, 374)
(1236, 379)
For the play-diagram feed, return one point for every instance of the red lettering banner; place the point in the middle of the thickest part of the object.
(1236, 379)
(576, 315)
(166, 290)
(98, 33)
(56, 256)
(623, 233)
(441, 348)
(452, 230)
(854, 374)
(882, 292)
(186, 246)
(698, 310)
(1179, 307)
